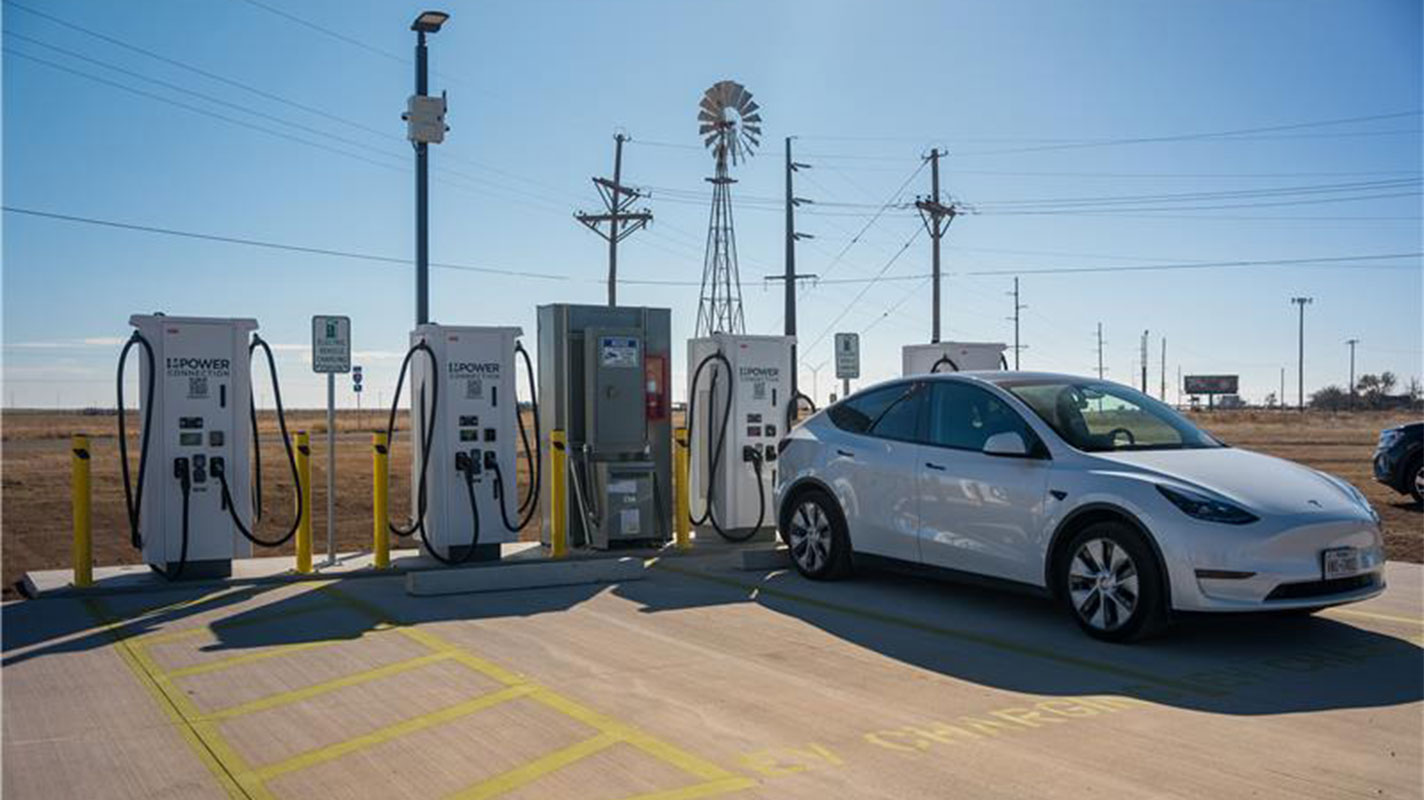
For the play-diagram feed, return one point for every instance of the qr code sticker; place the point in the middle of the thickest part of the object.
(474, 389)
(759, 390)
(197, 387)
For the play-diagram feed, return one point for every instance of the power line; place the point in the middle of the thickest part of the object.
(1203, 265)
(328, 32)
(1108, 211)
(1319, 188)
(872, 282)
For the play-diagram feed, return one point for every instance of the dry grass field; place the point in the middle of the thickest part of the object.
(35, 512)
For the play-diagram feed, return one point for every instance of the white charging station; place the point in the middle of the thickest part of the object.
(475, 424)
(201, 406)
(758, 370)
(918, 359)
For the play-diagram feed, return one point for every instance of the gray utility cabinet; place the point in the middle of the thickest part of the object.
(604, 379)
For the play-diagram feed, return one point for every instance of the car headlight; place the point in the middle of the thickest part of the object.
(1206, 508)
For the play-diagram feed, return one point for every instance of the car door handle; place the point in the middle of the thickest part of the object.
(846, 453)
(933, 465)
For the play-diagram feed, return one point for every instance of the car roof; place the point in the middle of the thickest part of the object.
(995, 377)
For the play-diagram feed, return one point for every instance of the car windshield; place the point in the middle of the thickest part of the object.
(1097, 416)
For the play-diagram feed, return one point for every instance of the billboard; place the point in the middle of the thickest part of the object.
(1210, 384)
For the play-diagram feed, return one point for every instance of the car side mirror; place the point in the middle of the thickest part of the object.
(1008, 443)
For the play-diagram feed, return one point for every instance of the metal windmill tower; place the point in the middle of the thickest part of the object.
(731, 128)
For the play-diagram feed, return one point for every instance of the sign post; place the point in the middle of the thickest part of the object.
(847, 359)
(1211, 386)
(331, 353)
(356, 388)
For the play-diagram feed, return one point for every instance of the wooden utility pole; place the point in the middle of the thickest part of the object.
(790, 276)
(937, 218)
(617, 198)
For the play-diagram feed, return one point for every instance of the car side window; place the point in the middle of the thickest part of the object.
(965, 416)
(857, 414)
(903, 421)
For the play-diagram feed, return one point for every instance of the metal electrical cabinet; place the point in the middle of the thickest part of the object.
(759, 391)
(918, 359)
(476, 418)
(603, 380)
(201, 406)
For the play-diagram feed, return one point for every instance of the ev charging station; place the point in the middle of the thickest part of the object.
(919, 359)
(465, 417)
(739, 398)
(196, 401)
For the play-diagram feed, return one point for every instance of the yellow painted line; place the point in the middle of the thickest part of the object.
(536, 769)
(277, 651)
(315, 690)
(708, 789)
(661, 750)
(321, 755)
(1350, 612)
(986, 639)
(254, 618)
(214, 754)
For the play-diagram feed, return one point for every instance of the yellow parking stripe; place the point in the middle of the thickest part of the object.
(283, 615)
(273, 651)
(323, 754)
(307, 692)
(536, 769)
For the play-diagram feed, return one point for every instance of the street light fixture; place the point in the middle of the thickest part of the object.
(429, 21)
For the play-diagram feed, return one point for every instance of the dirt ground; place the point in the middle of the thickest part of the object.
(35, 506)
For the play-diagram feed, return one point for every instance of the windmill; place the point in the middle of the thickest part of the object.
(730, 126)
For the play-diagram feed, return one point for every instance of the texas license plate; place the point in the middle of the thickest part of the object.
(1341, 562)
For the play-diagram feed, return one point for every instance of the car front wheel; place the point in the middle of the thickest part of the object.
(1417, 487)
(816, 533)
(1110, 582)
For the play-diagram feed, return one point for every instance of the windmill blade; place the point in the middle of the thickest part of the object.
(711, 107)
(756, 129)
(752, 118)
(750, 108)
(707, 142)
(753, 141)
(739, 98)
(703, 130)
(706, 116)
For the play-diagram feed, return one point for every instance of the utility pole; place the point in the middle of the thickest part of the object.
(1302, 302)
(1352, 343)
(1017, 308)
(617, 198)
(1162, 391)
(937, 218)
(1281, 398)
(1100, 351)
(425, 116)
(790, 276)
(1144, 362)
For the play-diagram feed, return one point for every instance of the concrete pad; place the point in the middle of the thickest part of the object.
(707, 680)
(511, 577)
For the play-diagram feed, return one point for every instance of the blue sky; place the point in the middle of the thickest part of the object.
(1029, 99)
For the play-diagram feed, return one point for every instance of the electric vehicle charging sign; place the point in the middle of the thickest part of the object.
(331, 344)
(356, 378)
(847, 355)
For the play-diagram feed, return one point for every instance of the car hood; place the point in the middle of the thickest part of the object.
(1258, 482)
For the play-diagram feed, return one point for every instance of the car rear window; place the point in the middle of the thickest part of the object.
(856, 414)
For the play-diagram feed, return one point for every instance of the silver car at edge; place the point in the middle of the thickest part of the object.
(1087, 490)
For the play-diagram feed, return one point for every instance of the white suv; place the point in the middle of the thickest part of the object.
(1085, 489)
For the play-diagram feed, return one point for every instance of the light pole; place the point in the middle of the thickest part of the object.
(421, 137)
(1302, 302)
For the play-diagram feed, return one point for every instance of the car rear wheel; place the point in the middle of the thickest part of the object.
(1416, 488)
(1111, 585)
(816, 533)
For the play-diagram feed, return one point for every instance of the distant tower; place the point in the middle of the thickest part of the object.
(731, 129)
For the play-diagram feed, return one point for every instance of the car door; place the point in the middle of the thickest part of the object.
(979, 513)
(872, 467)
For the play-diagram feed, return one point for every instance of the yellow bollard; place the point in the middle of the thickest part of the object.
(558, 499)
(380, 463)
(681, 522)
(304, 525)
(83, 552)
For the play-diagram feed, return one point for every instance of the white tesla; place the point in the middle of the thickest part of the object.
(1085, 489)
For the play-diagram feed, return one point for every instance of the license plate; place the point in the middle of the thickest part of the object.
(1341, 562)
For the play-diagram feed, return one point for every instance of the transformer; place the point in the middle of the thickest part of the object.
(603, 380)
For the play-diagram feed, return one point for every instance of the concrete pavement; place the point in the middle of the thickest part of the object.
(701, 680)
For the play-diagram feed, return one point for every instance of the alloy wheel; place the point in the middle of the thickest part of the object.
(810, 536)
(1103, 584)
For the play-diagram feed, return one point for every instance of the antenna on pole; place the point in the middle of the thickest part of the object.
(731, 128)
(617, 198)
